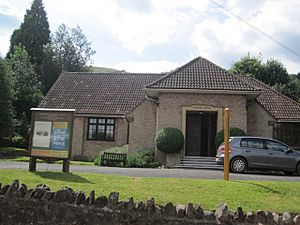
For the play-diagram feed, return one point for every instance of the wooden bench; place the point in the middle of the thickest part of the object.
(113, 159)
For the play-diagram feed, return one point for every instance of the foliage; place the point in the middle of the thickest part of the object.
(284, 195)
(25, 85)
(169, 140)
(234, 131)
(290, 89)
(142, 159)
(272, 73)
(6, 110)
(121, 150)
(69, 50)
(12, 152)
(33, 34)
(248, 66)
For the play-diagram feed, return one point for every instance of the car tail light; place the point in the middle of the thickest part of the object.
(222, 149)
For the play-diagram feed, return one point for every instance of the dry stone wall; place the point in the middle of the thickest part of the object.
(21, 206)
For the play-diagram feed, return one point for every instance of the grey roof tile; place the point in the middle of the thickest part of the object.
(276, 104)
(98, 93)
(201, 74)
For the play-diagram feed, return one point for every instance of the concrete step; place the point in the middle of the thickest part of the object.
(196, 162)
(216, 167)
(199, 162)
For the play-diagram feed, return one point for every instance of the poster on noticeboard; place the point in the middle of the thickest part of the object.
(51, 133)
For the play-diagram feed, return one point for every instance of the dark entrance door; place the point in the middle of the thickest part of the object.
(200, 133)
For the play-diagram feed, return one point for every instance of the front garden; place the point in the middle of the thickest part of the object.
(279, 196)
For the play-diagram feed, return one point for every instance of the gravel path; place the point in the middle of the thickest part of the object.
(145, 172)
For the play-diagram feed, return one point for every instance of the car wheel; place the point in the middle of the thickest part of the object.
(238, 165)
(298, 169)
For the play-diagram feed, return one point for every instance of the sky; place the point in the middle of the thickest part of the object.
(161, 35)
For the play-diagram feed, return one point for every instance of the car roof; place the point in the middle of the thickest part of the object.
(254, 137)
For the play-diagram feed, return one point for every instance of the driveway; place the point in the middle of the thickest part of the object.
(145, 172)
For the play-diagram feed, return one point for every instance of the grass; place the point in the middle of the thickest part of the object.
(279, 196)
(17, 155)
(98, 69)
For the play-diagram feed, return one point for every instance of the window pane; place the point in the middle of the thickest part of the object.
(92, 120)
(110, 121)
(254, 143)
(102, 121)
(274, 146)
(244, 143)
(92, 131)
(101, 132)
(110, 133)
(288, 133)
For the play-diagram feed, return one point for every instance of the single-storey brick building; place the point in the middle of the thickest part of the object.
(113, 109)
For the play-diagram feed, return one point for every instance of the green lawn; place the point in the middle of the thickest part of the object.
(276, 196)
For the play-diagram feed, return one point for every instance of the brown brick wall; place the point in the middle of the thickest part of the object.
(77, 139)
(142, 128)
(170, 113)
(259, 121)
(88, 149)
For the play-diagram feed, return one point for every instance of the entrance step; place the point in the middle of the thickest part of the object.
(199, 162)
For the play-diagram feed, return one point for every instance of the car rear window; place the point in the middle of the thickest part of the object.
(252, 143)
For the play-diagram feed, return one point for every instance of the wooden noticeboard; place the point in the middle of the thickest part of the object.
(51, 135)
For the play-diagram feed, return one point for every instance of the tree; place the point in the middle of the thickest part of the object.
(248, 66)
(69, 50)
(25, 84)
(33, 34)
(290, 89)
(6, 110)
(274, 73)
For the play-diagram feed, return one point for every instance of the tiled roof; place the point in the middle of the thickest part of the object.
(201, 74)
(276, 104)
(98, 93)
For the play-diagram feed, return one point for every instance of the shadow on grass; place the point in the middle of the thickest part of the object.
(68, 177)
(266, 188)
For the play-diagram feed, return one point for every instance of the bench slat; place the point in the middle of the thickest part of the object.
(113, 158)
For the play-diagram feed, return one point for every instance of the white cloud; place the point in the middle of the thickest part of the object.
(136, 31)
(222, 41)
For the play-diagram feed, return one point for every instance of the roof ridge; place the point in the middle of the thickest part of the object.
(111, 73)
(171, 72)
(201, 60)
(274, 90)
(232, 75)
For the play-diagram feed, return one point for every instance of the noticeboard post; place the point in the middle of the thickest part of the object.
(51, 136)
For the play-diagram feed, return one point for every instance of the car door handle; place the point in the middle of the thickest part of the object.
(270, 153)
(248, 151)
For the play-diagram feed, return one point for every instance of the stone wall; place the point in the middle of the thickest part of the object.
(88, 149)
(142, 127)
(20, 206)
(260, 123)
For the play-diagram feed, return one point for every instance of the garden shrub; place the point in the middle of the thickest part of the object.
(121, 150)
(12, 152)
(169, 140)
(18, 141)
(234, 131)
(142, 159)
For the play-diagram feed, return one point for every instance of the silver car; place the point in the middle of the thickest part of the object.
(261, 153)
